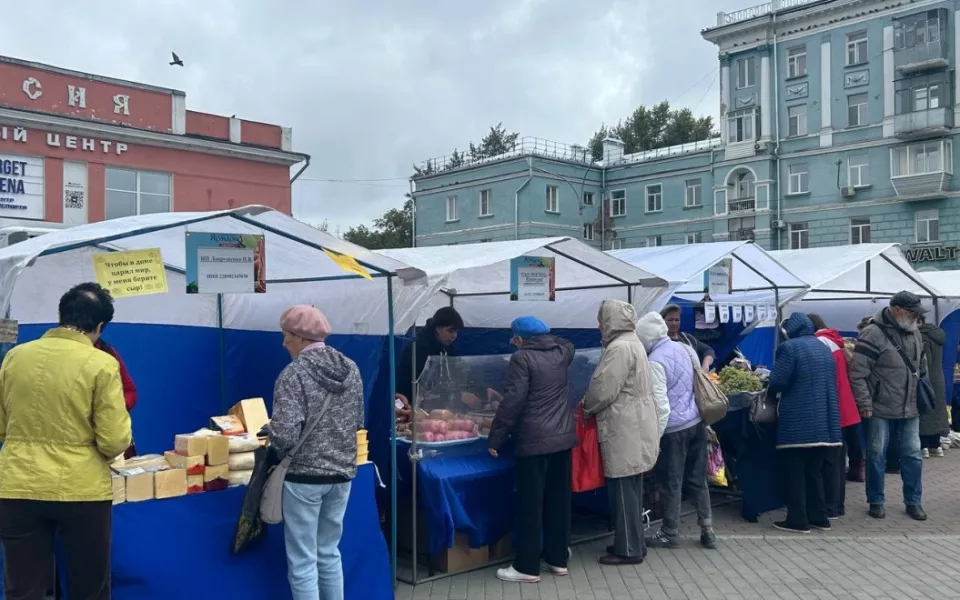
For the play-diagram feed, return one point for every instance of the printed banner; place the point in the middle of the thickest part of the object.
(719, 278)
(348, 264)
(225, 263)
(131, 273)
(533, 279)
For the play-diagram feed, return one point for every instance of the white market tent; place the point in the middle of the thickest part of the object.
(475, 279)
(756, 275)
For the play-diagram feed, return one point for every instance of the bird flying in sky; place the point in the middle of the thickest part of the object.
(176, 60)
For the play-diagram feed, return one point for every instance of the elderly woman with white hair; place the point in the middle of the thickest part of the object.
(322, 385)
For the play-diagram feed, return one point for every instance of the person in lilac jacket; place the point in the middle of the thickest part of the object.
(682, 465)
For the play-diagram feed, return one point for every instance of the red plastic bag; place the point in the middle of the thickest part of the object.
(587, 464)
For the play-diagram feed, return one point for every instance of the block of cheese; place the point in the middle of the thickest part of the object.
(193, 465)
(362, 436)
(253, 414)
(147, 462)
(190, 445)
(194, 484)
(243, 443)
(216, 478)
(227, 425)
(119, 489)
(240, 477)
(242, 461)
(218, 450)
(140, 487)
(170, 484)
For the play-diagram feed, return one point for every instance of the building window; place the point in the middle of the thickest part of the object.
(858, 171)
(916, 30)
(746, 72)
(451, 208)
(915, 94)
(799, 179)
(692, 193)
(588, 198)
(921, 159)
(131, 193)
(856, 110)
(654, 198)
(799, 236)
(693, 238)
(928, 226)
(618, 203)
(797, 61)
(654, 241)
(616, 244)
(486, 207)
(741, 125)
(553, 199)
(797, 120)
(856, 48)
(859, 231)
(588, 231)
(742, 230)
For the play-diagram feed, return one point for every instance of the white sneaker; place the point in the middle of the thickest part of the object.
(926, 452)
(938, 452)
(513, 576)
(558, 571)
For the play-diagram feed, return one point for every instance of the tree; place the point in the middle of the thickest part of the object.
(652, 128)
(496, 142)
(393, 229)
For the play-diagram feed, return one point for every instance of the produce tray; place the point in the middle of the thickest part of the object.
(442, 444)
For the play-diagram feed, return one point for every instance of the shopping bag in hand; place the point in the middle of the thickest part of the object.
(249, 526)
(587, 464)
(716, 468)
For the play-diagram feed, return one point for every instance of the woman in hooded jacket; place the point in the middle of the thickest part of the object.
(834, 470)
(935, 422)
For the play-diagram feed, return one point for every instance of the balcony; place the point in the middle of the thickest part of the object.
(922, 124)
(922, 170)
(928, 56)
(741, 204)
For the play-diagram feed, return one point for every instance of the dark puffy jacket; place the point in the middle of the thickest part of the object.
(535, 410)
(804, 374)
(935, 422)
(426, 346)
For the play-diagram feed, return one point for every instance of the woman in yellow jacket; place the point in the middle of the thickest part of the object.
(62, 420)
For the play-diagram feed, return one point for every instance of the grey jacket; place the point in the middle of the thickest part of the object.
(881, 382)
(935, 422)
(330, 453)
(535, 410)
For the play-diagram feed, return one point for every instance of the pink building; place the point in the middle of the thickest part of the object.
(77, 148)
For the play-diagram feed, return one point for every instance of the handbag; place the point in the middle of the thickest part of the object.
(587, 462)
(249, 526)
(271, 501)
(711, 401)
(761, 411)
(926, 397)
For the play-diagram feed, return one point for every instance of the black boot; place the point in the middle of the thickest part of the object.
(877, 512)
(915, 511)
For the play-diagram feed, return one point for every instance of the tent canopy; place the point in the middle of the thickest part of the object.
(475, 279)
(755, 273)
(945, 282)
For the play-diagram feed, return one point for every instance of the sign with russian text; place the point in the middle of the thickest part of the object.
(21, 187)
(225, 263)
(533, 279)
(718, 278)
(131, 272)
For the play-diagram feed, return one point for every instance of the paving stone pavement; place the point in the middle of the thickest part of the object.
(862, 558)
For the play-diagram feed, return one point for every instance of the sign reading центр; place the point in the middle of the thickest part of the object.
(225, 263)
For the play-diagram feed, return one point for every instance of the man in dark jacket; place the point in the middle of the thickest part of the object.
(935, 422)
(536, 414)
(885, 387)
(435, 338)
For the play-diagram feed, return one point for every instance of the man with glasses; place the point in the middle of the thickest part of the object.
(888, 352)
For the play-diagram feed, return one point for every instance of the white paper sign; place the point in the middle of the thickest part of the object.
(761, 312)
(737, 313)
(719, 279)
(709, 312)
(724, 310)
(225, 270)
(772, 311)
(748, 314)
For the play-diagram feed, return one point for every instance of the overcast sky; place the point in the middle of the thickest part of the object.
(371, 86)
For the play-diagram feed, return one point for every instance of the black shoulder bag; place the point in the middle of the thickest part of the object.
(926, 397)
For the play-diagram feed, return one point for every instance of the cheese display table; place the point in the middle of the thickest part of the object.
(180, 548)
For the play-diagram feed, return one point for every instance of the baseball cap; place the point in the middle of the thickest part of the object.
(908, 301)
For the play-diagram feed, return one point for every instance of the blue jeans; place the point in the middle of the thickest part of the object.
(911, 462)
(312, 525)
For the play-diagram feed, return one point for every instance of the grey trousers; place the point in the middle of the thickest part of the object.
(626, 508)
(682, 467)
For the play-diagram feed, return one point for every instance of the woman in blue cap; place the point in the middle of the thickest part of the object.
(535, 413)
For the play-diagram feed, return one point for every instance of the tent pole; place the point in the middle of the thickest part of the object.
(777, 320)
(223, 381)
(393, 433)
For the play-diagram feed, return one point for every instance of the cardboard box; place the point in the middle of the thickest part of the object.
(218, 450)
(227, 425)
(502, 548)
(119, 489)
(216, 478)
(252, 413)
(193, 465)
(461, 556)
(139, 487)
(190, 445)
(194, 484)
(170, 484)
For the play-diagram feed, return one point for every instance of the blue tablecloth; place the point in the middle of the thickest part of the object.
(180, 548)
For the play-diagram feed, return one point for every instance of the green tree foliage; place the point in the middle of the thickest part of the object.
(393, 229)
(497, 141)
(650, 128)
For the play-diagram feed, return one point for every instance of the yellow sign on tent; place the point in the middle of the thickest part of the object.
(348, 264)
(131, 273)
